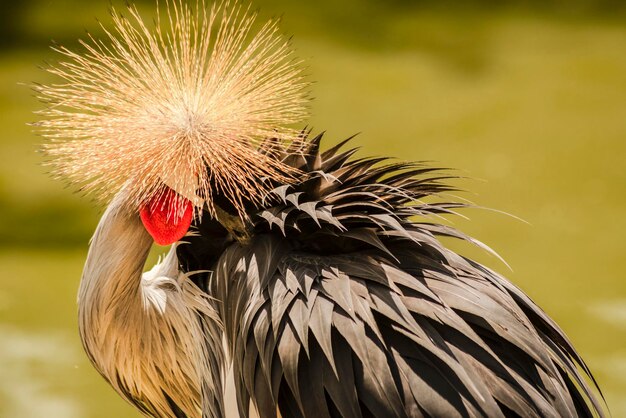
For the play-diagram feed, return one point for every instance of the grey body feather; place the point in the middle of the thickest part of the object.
(342, 302)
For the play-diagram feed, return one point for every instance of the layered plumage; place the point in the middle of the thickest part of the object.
(339, 300)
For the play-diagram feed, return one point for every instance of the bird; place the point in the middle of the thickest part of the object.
(314, 281)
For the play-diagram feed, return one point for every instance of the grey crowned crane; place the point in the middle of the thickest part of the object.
(318, 278)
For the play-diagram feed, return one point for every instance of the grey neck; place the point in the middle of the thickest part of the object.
(111, 282)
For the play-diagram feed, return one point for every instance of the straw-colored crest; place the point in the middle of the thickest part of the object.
(184, 103)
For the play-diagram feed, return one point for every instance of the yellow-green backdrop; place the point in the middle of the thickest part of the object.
(526, 98)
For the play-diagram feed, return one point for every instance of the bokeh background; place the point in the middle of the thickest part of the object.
(526, 98)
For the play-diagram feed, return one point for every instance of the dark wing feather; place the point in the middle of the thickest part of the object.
(371, 336)
(345, 304)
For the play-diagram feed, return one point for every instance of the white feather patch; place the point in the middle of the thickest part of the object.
(159, 281)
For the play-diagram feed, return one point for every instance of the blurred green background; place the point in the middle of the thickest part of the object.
(528, 98)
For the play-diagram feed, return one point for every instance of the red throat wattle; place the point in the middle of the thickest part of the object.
(167, 217)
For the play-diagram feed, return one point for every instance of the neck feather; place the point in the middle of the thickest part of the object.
(111, 281)
(154, 337)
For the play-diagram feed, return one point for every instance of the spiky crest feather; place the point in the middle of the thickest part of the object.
(157, 106)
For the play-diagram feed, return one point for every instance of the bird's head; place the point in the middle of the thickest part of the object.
(176, 112)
